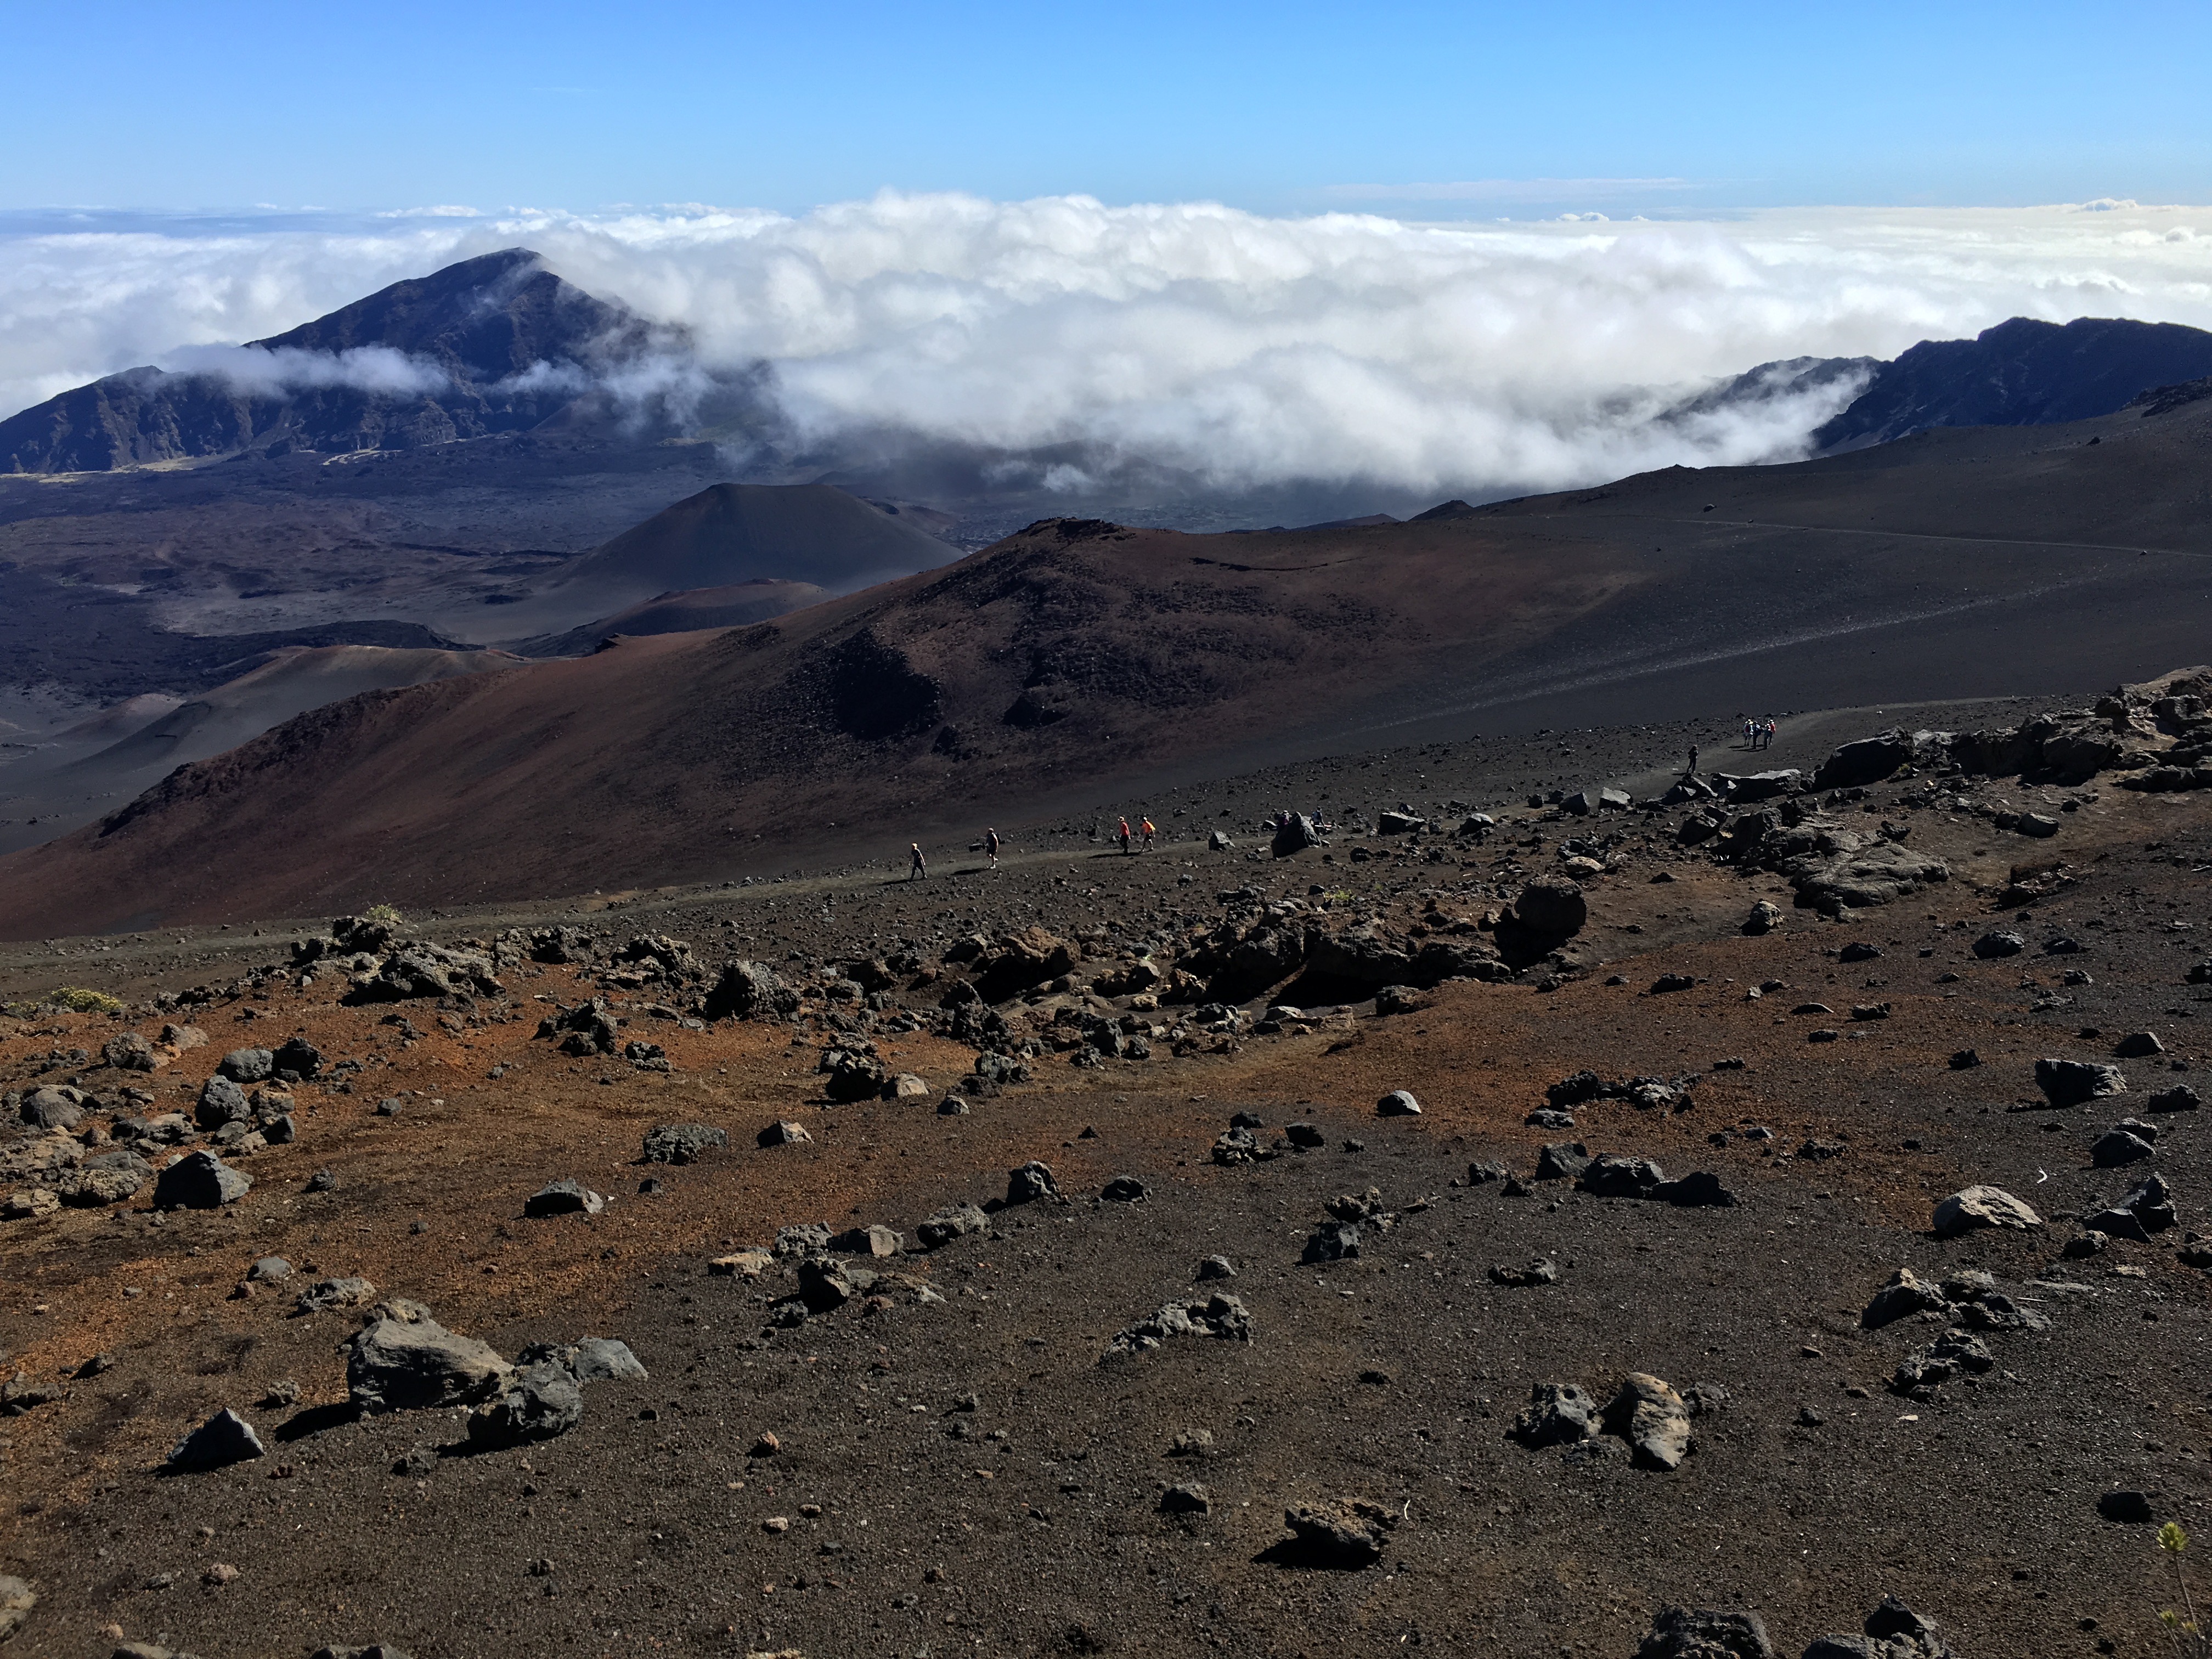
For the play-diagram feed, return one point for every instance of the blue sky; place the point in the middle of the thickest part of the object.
(1287, 108)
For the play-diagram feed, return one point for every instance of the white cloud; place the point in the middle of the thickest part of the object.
(287, 369)
(1247, 350)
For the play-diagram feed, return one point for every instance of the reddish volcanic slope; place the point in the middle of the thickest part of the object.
(1079, 658)
(1069, 655)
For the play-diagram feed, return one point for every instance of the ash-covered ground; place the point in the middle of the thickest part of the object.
(1039, 1426)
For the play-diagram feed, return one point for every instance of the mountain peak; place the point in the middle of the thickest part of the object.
(482, 323)
(479, 319)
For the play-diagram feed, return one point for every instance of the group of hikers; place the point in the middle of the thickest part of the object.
(1757, 734)
(918, 866)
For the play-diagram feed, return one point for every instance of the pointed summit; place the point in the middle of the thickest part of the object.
(470, 334)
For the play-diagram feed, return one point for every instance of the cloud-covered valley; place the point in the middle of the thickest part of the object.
(1242, 351)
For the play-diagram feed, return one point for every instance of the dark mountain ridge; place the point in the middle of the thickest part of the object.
(493, 344)
(2021, 372)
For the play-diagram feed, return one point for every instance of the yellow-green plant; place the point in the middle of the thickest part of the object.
(388, 915)
(2182, 1628)
(76, 1000)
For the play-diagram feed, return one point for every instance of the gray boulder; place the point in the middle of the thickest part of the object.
(223, 1439)
(1558, 1414)
(418, 968)
(567, 1196)
(784, 1133)
(221, 1102)
(1975, 1207)
(247, 1065)
(748, 990)
(327, 1294)
(1653, 1418)
(1905, 1295)
(1295, 836)
(956, 1221)
(1551, 908)
(133, 1051)
(1867, 761)
(870, 1241)
(589, 1359)
(2148, 1209)
(1220, 1316)
(1032, 1182)
(1610, 1175)
(104, 1178)
(534, 1403)
(1892, 1631)
(2117, 1147)
(17, 1598)
(1562, 1160)
(1993, 945)
(849, 1074)
(2076, 1082)
(199, 1181)
(1341, 1533)
(1705, 1632)
(402, 1359)
(300, 1057)
(681, 1143)
(1398, 1103)
(53, 1106)
(1333, 1241)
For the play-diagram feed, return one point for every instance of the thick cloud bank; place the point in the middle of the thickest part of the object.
(1247, 351)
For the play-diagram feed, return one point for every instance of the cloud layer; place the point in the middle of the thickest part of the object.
(1247, 351)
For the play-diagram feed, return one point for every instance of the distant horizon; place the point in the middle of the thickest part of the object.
(1276, 109)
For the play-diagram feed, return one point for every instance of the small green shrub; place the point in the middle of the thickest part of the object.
(2182, 1628)
(76, 1000)
(385, 914)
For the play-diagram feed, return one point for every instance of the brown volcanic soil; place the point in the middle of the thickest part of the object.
(1979, 1508)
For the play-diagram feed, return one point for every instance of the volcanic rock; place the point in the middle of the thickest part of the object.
(1653, 1418)
(199, 1181)
(1973, 1208)
(1348, 1532)
(1557, 1414)
(681, 1143)
(2073, 1082)
(223, 1439)
(1704, 1633)
(1221, 1315)
(567, 1196)
(534, 1403)
(1031, 1183)
(402, 1359)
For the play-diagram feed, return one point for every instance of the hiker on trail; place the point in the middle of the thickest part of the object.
(1769, 743)
(991, 846)
(1149, 833)
(920, 865)
(1123, 837)
(1693, 771)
